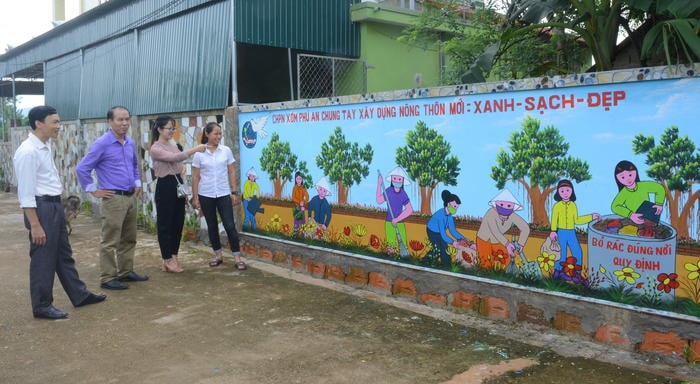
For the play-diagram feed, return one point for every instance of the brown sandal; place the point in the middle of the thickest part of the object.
(215, 262)
(241, 266)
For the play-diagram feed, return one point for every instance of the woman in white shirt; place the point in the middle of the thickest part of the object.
(213, 181)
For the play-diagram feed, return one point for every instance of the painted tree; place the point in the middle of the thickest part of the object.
(537, 160)
(279, 162)
(675, 164)
(427, 160)
(344, 163)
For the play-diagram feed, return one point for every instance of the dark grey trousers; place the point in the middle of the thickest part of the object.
(53, 258)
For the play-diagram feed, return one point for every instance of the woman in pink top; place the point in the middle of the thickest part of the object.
(170, 209)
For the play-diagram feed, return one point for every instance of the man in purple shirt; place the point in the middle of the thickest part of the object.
(113, 158)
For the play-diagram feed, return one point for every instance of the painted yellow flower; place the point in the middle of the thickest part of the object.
(546, 261)
(275, 221)
(694, 270)
(359, 229)
(602, 269)
(628, 274)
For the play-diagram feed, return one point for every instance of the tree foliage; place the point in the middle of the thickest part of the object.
(675, 164)
(427, 160)
(344, 163)
(8, 112)
(537, 159)
(279, 162)
(471, 44)
(530, 29)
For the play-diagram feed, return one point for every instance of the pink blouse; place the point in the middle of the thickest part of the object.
(167, 159)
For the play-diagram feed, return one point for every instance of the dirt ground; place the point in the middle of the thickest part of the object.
(271, 325)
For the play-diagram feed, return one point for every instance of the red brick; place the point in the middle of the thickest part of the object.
(464, 300)
(357, 276)
(249, 249)
(316, 268)
(404, 287)
(494, 308)
(530, 314)
(265, 253)
(377, 280)
(612, 333)
(694, 356)
(663, 342)
(334, 272)
(298, 262)
(280, 257)
(432, 299)
(569, 323)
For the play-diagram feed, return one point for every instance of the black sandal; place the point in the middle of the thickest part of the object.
(240, 265)
(215, 262)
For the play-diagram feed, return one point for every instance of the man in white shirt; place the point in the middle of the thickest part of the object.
(39, 192)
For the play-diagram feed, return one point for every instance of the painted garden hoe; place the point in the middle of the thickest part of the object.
(403, 251)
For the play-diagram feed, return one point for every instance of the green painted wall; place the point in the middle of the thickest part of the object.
(392, 64)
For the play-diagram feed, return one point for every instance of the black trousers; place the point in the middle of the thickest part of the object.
(210, 206)
(53, 258)
(170, 216)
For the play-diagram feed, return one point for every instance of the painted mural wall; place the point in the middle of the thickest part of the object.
(602, 167)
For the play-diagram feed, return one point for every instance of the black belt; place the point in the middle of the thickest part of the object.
(48, 198)
(123, 193)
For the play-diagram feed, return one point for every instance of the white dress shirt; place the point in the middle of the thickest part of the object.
(213, 171)
(36, 172)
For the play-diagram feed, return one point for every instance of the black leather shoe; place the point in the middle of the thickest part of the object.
(114, 285)
(133, 276)
(91, 299)
(50, 313)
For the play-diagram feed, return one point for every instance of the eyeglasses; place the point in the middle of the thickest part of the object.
(172, 129)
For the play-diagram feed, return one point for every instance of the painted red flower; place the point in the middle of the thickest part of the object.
(346, 231)
(374, 241)
(319, 233)
(467, 257)
(416, 245)
(667, 282)
(286, 229)
(570, 266)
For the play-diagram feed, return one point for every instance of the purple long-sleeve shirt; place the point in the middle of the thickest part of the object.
(114, 163)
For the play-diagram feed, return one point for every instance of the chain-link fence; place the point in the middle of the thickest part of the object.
(324, 76)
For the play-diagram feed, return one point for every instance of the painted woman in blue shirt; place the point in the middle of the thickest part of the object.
(440, 223)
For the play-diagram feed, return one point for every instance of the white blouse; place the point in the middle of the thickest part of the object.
(213, 171)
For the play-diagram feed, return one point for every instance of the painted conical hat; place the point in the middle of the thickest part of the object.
(323, 183)
(505, 195)
(251, 172)
(398, 171)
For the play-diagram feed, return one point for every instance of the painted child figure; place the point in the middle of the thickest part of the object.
(251, 190)
(300, 197)
(564, 218)
(319, 208)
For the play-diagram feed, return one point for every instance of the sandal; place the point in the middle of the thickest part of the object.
(215, 262)
(241, 266)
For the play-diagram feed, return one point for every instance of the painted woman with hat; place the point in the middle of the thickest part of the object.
(493, 248)
(319, 208)
(564, 219)
(251, 189)
(398, 206)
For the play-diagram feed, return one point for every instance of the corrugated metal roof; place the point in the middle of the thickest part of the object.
(158, 56)
(310, 25)
(113, 18)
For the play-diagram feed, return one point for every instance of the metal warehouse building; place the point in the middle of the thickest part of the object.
(169, 56)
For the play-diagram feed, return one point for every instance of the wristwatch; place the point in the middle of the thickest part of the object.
(234, 192)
